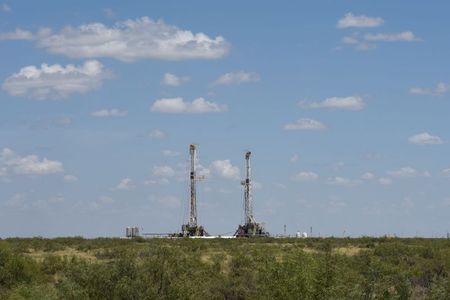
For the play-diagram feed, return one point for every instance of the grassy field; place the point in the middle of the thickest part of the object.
(260, 268)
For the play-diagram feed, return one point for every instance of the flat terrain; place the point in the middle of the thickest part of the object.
(259, 268)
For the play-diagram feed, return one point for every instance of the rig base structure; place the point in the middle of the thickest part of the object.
(187, 231)
(251, 230)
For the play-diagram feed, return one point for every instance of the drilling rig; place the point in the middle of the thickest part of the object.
(192, 228)
(250, 228)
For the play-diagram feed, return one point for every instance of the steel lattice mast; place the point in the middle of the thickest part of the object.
(248, 206)
(193, 202)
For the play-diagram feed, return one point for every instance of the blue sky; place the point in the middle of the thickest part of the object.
(343, 104)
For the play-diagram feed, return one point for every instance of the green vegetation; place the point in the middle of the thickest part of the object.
(259, 268)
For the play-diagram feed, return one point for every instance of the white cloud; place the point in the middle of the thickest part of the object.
(170, 153)
(18, 34)
(5, 8)
(157, 134)
(101, 201)
(178, 105)
(305, 124)
(294, 158)
(225, 169)
(406, 36)
(404, 172)
(125, 184)
(18, 200)
(160, 181)
(29, 165)
(163, 171)
(305, 176)
(440, 89)
(385, 181)
(114, 112)
(446, 172)
(350, 20)
(368, 41)
(352, 39)
(70, 178)
(48, 202)
(345, 182)
(368, 176)
(202, 172)
(55, 81)
(173, 80)
(347, 103)
(133, 40)
(236, 78)
(425, 139)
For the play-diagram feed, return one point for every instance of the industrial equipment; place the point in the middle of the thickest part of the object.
(250, 228)
(192, 228)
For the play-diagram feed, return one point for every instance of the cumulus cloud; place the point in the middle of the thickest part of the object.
(350, 20)
(28, 165)
(55, 81)
(440, 89)
(405, 36)
(385, 181)
(345, 182)
(225, 169)
(446, 172)
(114, 112)
(49, 202)
(368, 176)
(101, 202)
(294, 158)
(18, 200)
(425, 139)
(305, 176)
(346, 103)
(369, 41)
(157, 134)
(173, 80)
(18, 34)
(132, 40)
(404, 172)
(160, 181)
(163, 171)
(178, 105)
(5, 8)
(305, 124)
(70, 178)
(3, 172)
(125, 184)
(236, 78)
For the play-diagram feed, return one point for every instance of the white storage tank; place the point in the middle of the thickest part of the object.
(132, 232)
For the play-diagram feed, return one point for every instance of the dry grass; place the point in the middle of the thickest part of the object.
(67, 252)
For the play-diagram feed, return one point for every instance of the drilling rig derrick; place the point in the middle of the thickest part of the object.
(250, 228)
(192, 228)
